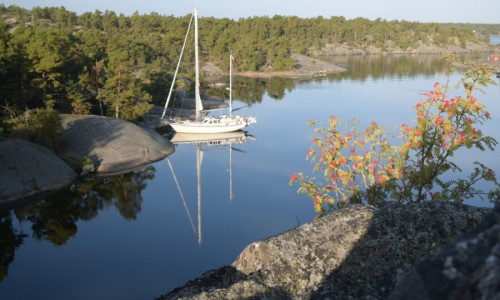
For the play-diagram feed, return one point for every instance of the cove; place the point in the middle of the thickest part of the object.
(130, 236)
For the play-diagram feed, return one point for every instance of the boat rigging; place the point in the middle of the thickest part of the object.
(202, 122)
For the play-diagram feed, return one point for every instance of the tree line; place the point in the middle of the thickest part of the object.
(483, 29)
(117, 65)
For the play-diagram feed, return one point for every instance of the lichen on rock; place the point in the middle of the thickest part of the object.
(468, 268)
(354, 253)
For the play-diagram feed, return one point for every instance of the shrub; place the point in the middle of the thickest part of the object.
(41, 126)
(362, 166)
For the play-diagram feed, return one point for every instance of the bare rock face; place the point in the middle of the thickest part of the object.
(468, 268)
(27, 169)
(114, 145)
(358, 252)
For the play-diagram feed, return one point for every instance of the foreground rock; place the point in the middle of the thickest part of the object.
(356, 253)
(27, 169)
(114, 145)
(466, 269)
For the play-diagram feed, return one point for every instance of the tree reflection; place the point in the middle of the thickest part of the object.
(252, 90)
(249, 90)
(55, 218)
(10, 240)
(363, 67)
(277, 87)
(359, 67)
(125, 191)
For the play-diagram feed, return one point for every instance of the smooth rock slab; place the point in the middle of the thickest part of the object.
(27, 169)
(114, 145)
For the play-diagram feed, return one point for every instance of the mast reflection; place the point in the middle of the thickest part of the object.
(202, 141)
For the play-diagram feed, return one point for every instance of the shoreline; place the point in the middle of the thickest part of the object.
(311, 66)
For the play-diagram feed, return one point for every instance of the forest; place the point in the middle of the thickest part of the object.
(116, 65)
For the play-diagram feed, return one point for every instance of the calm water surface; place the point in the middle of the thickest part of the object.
(133, 237)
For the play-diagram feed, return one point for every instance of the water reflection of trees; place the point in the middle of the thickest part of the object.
(389, 66)
(252, 90)
(361, 67)
(376, 67)
(55, 218)
(10, 240)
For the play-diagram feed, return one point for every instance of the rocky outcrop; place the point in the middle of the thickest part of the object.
(466, 269)
(358, 252)
(114, 145)
(107, 146)
(27, 169)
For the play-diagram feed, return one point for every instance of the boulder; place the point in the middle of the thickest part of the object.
(27, 169)
(114, 145)
(468, 268)
(359, 252)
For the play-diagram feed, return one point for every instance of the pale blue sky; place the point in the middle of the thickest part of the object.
(455, 11)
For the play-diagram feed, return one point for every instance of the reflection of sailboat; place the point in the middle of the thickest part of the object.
(220, 139)
(226, 138)
(202, 123)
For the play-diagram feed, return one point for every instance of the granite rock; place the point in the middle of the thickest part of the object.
(114, 145)
(359, 252)
(468, 268)
(27, 169)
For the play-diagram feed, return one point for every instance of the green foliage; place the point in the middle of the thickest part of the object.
(362, 166)
(111, 64)
(41, 126)
(484, 29)
(86, 161)
(157, 84)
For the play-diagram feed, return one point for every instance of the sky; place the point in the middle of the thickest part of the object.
(439, 11)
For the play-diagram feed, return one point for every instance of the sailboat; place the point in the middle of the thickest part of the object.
(203, 123)
(219, 139)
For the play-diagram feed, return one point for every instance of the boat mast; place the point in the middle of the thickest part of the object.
(199, 105)
(231, 196)
(199, 158)
(230, 84)
(188, 213)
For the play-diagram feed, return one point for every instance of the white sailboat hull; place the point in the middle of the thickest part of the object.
(212, 125)
(199, 128)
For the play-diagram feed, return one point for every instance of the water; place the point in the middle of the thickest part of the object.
(495, 40)
(131, 236)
